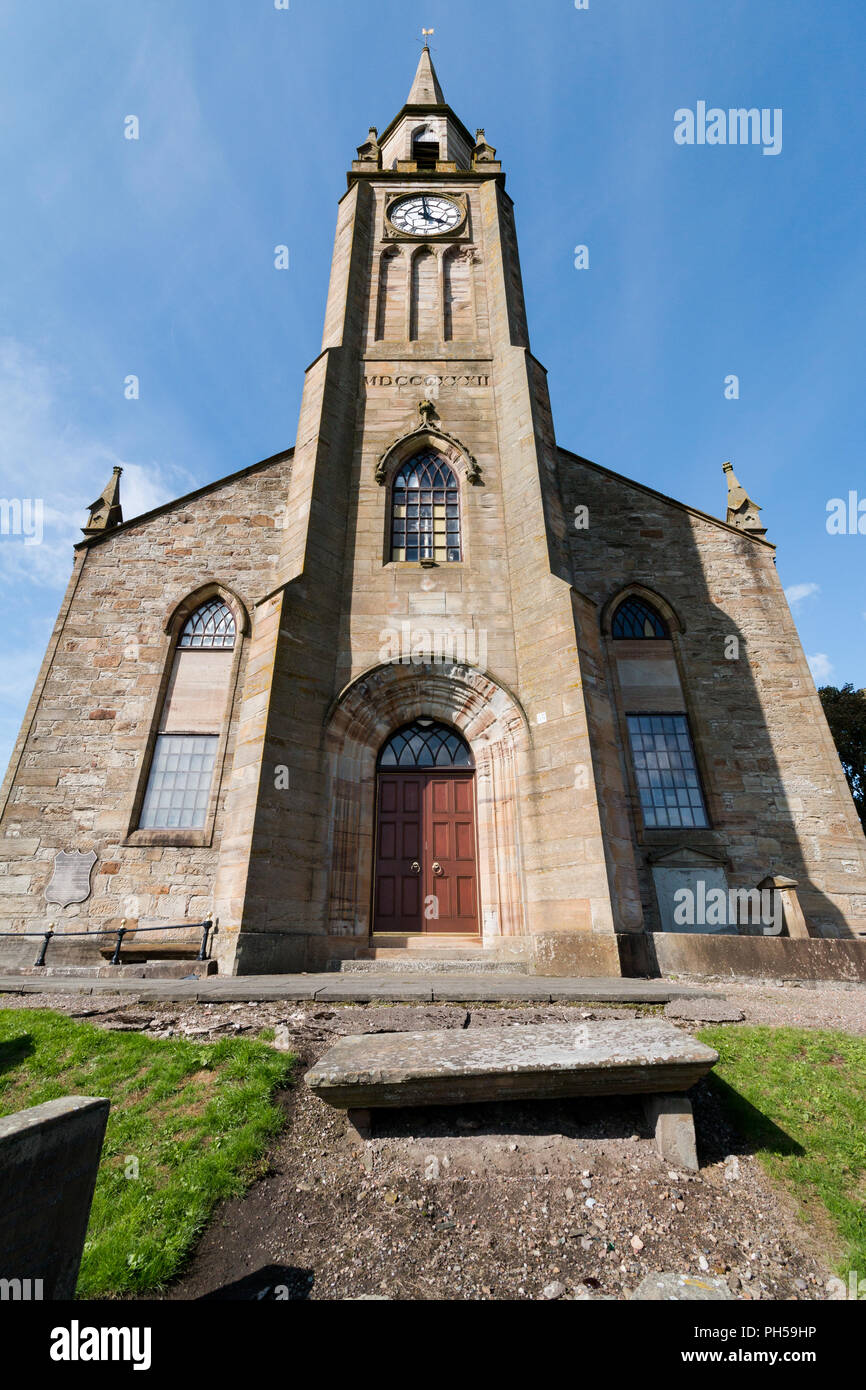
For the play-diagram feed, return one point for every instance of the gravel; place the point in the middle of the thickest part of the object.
(537, 1200)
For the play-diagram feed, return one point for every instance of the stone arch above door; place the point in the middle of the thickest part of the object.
(494, 724)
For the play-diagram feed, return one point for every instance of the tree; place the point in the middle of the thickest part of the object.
(846, 714)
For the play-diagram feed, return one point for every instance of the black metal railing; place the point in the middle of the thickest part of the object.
(206, 929)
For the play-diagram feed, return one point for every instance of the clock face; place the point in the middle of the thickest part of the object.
(425, 214)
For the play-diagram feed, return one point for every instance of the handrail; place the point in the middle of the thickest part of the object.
(206, 928)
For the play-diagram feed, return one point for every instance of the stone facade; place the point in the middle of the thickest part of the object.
(425, 345)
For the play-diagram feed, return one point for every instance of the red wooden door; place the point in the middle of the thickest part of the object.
(398, 901)
(426, 877)
(449, 832)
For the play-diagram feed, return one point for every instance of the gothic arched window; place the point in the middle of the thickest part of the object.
(212, 625)
(425, 743)
(425, 511)
(192, 719)
(663, 759)
(634, 618)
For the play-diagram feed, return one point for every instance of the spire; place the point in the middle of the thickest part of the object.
(106, 512)
(742, 511)
(425, 89)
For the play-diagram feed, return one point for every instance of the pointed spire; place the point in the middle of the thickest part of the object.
(106, 512)
(425, 89)
(742, 511)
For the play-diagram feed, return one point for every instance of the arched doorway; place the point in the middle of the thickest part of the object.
(426, 877)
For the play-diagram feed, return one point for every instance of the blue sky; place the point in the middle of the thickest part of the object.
(155, 257)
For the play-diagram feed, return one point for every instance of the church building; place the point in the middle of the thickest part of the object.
(429, 683)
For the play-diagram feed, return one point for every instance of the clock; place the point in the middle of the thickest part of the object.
(425, 214)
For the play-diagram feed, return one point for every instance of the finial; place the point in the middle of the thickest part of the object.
(742, 511)
(426, 409)
(106, 512)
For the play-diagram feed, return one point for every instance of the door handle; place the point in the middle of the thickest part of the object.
(437, 867)
(416, 867)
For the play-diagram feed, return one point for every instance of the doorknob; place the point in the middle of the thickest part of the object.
(416, 867)
(437, 867)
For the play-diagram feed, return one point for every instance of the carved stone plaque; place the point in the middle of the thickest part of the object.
(70, 882)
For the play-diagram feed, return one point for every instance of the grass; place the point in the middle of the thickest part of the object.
(189, 1126)
(799, 1097)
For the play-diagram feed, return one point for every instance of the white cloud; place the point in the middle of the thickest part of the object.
(821, 667)
(42, 456)
(796, 593)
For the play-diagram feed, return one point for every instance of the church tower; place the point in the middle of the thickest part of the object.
(422, 581)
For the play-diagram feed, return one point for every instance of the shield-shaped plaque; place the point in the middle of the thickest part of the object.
(70, 882)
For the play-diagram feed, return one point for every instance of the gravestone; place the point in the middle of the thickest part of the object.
(49, 1156)
(646, 1057)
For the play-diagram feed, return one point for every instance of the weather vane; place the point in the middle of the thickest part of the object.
(428, 34)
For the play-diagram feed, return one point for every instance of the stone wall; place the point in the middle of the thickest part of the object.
(777, 798)
(82, 752)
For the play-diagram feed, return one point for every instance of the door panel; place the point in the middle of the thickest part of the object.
(397, 905)
(427, 818)
(450, 835)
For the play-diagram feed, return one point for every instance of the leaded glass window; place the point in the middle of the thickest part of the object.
(634, 618)
(666, 771)
(211, 625)
(425, 511)
(425, 743)
(178, 790)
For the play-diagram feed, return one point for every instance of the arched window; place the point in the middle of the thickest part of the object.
(425, 511)
(193, 713)
(212, 625)
(634, 618)
(425, 743)
(664, 765)
(425, 149)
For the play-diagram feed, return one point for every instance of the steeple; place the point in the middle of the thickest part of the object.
(742, 511)
(425, 90)
(106, 512)
(425, 136)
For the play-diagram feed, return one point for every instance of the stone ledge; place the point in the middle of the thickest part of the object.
(759, 957)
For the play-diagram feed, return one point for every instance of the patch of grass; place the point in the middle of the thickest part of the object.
(192, 1121)
(799, 1097)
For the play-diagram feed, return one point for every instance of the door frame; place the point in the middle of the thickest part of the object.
(457, 773)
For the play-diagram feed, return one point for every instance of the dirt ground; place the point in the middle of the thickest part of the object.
(517, 1200)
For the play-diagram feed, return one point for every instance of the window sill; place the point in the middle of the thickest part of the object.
(417, 565)
(180, 839)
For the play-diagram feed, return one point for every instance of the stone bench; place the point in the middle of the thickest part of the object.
(545, 1061)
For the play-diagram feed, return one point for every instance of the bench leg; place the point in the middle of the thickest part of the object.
(672, 1119)
(360, 1125)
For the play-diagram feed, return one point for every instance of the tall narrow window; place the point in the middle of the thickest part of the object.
(459, 309)
(391, 308)
(662, 753)
(425, 511)
(665, 771)
(193, 713)
(424, 308)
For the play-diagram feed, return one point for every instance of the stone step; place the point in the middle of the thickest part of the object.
(428, 965)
